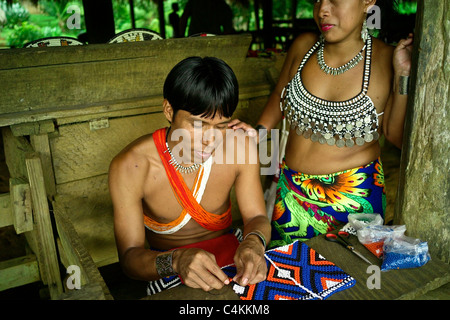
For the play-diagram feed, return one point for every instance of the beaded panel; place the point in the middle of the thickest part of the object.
(340, 123)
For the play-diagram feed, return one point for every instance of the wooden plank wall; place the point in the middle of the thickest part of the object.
(58, 82)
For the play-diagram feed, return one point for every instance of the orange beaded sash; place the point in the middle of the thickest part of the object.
(185, 197)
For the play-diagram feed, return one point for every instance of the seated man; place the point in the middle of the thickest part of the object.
(182, 202)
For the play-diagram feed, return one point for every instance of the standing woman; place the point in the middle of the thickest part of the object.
(339, 92)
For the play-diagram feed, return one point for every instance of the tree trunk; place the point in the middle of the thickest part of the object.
(423, 202)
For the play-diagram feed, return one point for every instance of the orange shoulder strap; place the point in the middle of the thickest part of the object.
(207, 220)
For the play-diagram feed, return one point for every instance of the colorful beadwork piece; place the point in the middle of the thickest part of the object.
(53, 42)
(295, 272)
(135, 35)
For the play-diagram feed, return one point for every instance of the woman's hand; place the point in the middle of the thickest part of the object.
(402, 56)
(238, 124)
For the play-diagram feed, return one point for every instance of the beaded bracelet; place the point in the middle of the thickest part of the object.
(164, 264)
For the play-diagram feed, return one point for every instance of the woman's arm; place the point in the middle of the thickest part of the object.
(395, 111)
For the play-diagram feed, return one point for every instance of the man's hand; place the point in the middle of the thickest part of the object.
(250, 262)
(198, 269)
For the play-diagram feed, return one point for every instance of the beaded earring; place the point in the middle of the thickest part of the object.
(364, 31)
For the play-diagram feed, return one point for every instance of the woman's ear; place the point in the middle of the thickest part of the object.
(168, 110)
(369, 4)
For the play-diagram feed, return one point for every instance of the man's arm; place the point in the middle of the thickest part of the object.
(197, 267)
(126, 179)
(249, 257)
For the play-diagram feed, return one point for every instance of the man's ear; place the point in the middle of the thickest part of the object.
(168, 110)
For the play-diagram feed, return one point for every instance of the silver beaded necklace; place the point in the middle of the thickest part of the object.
(173, 161)
(336, 123)
(339, 70)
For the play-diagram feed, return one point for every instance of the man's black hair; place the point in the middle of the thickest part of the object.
(202, 86)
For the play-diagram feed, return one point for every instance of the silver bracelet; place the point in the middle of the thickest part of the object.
(164, 264)
(403, 85)
(260, 235)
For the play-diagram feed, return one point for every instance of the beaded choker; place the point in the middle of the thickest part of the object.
(173, 161)
(340, 70)
(340, 123)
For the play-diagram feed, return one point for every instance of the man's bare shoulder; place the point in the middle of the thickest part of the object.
(135, 158)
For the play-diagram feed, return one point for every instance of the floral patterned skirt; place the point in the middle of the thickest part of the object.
(309, 205)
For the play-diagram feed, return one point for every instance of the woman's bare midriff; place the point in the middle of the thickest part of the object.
(305, 156)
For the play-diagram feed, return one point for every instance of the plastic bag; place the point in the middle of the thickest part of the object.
(362, 220)
(373, 236)
(403, 253)
(357, 221)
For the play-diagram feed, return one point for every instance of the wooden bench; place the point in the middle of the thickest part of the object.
(67, 112)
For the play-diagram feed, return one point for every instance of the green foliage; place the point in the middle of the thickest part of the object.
(50, 21)
(22, 34)
(51, 18)
(407, 7)
(15, 14)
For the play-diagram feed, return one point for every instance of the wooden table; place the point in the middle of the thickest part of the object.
(395, 284)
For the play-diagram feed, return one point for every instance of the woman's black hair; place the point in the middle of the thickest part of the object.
(202, 86)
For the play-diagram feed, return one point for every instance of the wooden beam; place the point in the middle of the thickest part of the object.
(98, 74)
(20, 195)
(32, 128)
(6, 218)
(15, 149)
(18, 272)
(75, 253)
(48, 261)
(92, 291)
(41, 145)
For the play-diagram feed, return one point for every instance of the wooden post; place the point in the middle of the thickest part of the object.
(21, 205)
(423, 199)
(132, 18)
(162, 20)
(268, 19)
(48, 260)
(99, 19)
